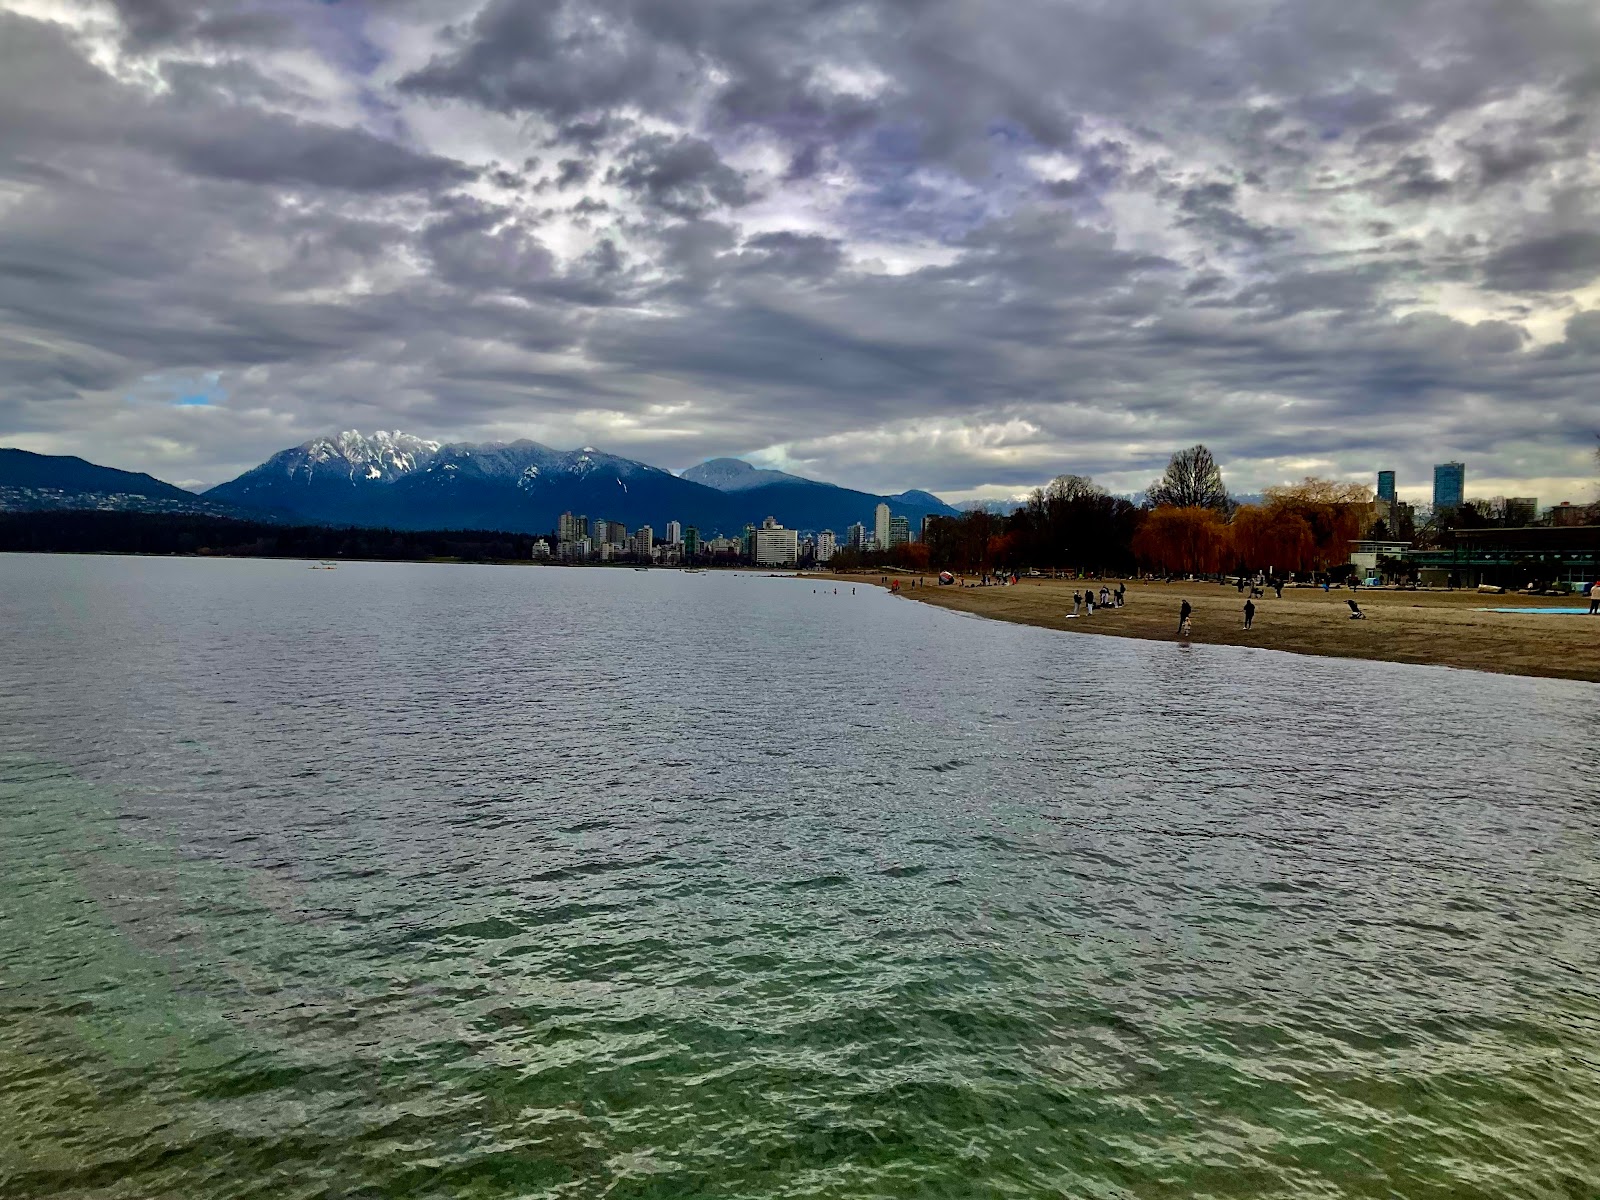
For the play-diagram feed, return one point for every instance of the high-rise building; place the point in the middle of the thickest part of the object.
(674, 533)
(826, 545)
(775, 546)
(856, 536)
(570, 528)
(691, 542)
(644, 541)
(880, 524)
(899, 532)
(1386, 486)
(1449, 486)
(1521, 510)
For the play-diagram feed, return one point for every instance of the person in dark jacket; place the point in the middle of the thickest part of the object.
(1249, 612)
(1183, 617)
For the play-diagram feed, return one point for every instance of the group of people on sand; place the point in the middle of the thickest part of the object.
(1259, 584)
(1085, 600)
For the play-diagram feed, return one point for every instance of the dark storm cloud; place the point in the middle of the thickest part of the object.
(269, 149)
(1548, 262)
(54, 99)
(680, 176)
(149, 23)
(913, 241)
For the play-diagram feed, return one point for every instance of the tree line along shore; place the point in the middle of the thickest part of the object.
(1188, 524)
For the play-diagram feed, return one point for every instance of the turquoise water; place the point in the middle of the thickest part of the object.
(1561, 611)
(508, 882)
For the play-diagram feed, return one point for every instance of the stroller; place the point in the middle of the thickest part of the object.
(1355, 611)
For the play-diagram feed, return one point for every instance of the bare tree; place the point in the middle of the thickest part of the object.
(1193, 480)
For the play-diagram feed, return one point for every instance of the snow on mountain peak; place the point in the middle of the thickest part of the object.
(382, 456)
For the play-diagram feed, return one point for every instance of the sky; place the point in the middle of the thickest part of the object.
(946, 244)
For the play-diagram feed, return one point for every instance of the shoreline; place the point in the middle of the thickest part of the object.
(1444, 629)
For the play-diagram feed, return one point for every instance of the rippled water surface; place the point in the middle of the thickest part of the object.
(440, 881)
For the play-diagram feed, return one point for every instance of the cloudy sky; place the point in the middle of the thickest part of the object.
(949, 244)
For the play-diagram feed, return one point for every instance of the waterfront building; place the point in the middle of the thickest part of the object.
(775, 546)
(1386, 487)
(570, 528)
(880, 524)
(1449, 487)
(541, 549)
(826, 545)
(674, 533)
(856, 536)
(1521, 510)
(644, 541)
(899, 532)
(1513, 557)
(691, 542)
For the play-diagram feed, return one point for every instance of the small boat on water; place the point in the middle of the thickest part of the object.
(324, 566)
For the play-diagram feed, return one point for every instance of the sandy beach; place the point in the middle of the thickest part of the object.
(1442, 628)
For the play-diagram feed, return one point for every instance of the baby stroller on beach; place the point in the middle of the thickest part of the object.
(1355, 611)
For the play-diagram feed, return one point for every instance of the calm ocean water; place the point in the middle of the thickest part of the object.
(440, 881)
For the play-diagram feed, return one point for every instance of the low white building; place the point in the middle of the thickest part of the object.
(1365, 552)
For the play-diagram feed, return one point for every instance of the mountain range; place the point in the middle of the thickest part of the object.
(399, 481)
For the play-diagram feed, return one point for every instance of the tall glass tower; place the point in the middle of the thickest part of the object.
(1449, 486)
(1386, 486)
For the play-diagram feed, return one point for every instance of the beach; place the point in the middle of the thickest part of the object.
(1440, 628)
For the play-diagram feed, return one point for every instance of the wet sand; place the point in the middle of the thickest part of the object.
(1441, 628)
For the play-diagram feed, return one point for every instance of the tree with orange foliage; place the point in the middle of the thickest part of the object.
(1189, 540)
(1309, 525)
(1267, 538)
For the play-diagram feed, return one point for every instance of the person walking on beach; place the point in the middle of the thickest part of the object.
(1088, 602)
(1183, 618)
(1249, 612)
(1077, 602)
(1594, 598)
(1277, 586)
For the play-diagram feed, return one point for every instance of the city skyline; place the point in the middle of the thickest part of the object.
(860, 244)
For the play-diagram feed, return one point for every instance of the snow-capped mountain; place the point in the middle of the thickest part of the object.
(406, 482)
(384, 456)
(395, 479)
